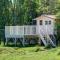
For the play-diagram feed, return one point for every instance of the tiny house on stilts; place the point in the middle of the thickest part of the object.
(43, 27)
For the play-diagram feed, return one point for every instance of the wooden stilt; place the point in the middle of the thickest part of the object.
(6, 41)
(20, 41)
(23, 42)
(15, 41)
(47, 40)
(39, 41)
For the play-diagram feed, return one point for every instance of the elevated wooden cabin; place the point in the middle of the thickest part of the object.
(43, 27)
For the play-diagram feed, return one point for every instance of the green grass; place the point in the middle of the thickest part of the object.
(29, 53)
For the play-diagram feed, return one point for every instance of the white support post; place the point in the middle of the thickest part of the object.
(6, 41)
(15, 41)
(39, 41)
(47, 39)
(23, 42)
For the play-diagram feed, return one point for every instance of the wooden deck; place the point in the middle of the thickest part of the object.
(22, 31)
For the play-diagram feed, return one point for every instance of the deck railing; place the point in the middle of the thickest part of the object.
(17, 31)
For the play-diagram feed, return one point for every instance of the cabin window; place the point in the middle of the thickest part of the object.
(46, 22)
(34, 22)
(49, 22)
(41, 22)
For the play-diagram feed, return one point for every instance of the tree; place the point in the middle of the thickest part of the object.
(48, 6)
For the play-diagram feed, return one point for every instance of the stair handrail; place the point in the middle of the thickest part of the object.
(50, 39)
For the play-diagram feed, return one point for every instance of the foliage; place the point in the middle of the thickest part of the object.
(20, 12)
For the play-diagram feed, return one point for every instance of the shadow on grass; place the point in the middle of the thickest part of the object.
(20, 46)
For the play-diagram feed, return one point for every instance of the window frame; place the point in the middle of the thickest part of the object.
(41, 22)
(34, 22)
(46, 22)
(50, 22)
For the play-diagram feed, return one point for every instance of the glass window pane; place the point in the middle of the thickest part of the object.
(41, 22)
(46, 22)
(49, 22)
(34, 22)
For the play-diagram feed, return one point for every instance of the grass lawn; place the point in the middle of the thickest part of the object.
(29, 53)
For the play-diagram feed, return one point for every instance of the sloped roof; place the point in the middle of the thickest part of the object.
(42, 17)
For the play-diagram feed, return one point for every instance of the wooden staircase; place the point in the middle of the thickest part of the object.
(48, 40)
